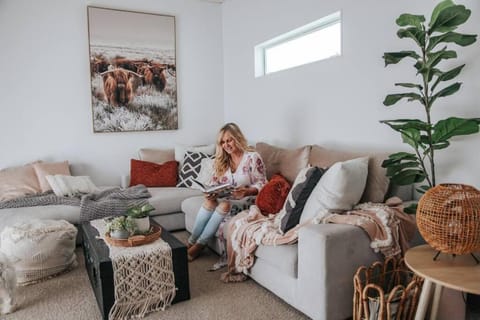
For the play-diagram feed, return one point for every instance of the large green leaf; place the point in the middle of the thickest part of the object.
(457, 38)
(392, 169)
(439, 8)
(396, 57)
(409, 85)
(391, 99)
(448, 75)
(418, 35)
(453, 126)
(447, 91)
(434, 58)
(397, 157)
(411, 136)
(408, 19)
(408, 176)
(402, 124)
(449, 19)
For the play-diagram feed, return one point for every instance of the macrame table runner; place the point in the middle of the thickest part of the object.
(143, 277)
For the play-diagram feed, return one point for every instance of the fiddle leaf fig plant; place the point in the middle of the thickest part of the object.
(425, 136)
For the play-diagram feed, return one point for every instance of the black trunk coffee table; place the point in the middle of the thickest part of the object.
(100, 272)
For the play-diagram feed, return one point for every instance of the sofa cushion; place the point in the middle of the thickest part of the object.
(18, 182)
(272, 196)
(287, 162)
(169, 199)
(283, 258)
(68, 186)
(339, 188)
(156, 155)
(191, 168)
(377, 181)
(153, 174)
(43, 169)
(305, 182)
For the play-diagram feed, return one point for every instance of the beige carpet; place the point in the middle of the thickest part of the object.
(70, 297)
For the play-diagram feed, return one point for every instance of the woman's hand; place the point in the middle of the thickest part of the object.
(242, 192)
(211, 196)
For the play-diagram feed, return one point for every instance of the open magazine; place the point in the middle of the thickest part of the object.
(221, 190)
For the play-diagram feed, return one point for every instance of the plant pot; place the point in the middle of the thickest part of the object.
(143, 224)
(119, 234)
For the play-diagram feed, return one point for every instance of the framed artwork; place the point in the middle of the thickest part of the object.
(132, 70)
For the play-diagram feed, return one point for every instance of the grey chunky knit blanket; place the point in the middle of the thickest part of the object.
(105, 203)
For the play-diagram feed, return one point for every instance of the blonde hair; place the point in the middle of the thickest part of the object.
(222, 159)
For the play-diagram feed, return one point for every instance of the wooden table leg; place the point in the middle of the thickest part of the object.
(424, 299)
(436, 301)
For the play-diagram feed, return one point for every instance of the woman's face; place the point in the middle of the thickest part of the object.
(228, 143)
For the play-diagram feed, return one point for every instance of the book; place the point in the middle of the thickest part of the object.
(221, 190)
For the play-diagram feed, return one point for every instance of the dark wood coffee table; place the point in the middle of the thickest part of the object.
(100, 272)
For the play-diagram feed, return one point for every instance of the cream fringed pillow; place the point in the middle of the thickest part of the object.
(68, 186)
(43, 169)
(17, 182)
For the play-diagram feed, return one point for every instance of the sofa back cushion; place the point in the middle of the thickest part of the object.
(156, 155)
(377, 181)
(17, 182)
(287, 162)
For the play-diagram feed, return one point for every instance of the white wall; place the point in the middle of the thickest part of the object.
(338, 102)
(45, 109)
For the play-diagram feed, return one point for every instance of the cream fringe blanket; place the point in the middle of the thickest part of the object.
(388, 227)
(143, 277)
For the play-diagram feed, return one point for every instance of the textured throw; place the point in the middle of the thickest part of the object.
(388, 227)
(109, 202)
(143, 277)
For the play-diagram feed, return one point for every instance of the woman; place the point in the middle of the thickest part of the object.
(237, 164)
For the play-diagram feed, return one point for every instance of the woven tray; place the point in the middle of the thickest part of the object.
(134, 241)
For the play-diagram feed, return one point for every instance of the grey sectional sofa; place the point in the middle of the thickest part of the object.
(315, 274)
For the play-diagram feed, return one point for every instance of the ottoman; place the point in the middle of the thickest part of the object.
(39, 248)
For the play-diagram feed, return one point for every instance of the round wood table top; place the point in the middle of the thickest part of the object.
(459, 273)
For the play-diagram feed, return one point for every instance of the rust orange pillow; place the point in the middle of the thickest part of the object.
(153, 174)
(271, 197)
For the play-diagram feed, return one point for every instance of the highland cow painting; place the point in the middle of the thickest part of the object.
(132, 70)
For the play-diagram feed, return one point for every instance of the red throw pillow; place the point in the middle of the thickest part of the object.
(153, 174)
(271, 197)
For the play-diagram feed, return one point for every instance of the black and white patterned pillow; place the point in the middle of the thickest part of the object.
(191, 167)
(303, 186)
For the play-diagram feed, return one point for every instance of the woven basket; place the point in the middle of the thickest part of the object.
(448, 218)
(386, 290)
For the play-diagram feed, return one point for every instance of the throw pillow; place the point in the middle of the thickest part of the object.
(206, 171)
(272, 196)
(341, 187)
(156, 155)
(42, 169)
(68, 186)
(181, 150)
(377, 180)
(191, 168)
(292, 210)
(284, 161)
(17, 182)
(153, 174)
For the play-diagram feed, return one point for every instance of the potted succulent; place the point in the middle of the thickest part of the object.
(121, 227)
(140, 216)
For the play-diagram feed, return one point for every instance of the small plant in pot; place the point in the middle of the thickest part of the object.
(121, 227)
(141, 217)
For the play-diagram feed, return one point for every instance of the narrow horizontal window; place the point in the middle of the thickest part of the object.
(315, 41)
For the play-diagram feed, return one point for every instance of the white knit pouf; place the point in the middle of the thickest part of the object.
(39, 248)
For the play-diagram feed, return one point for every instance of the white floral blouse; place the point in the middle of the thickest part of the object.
(250, 173)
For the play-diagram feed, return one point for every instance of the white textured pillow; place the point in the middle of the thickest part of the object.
(181, 150)
(341, 187)
(206, 172)
(68, 186)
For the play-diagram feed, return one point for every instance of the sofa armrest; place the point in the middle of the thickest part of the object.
(328, 257)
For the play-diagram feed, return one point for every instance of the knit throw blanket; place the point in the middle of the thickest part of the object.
(387, 226)
(143, 277)
(109, 202)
